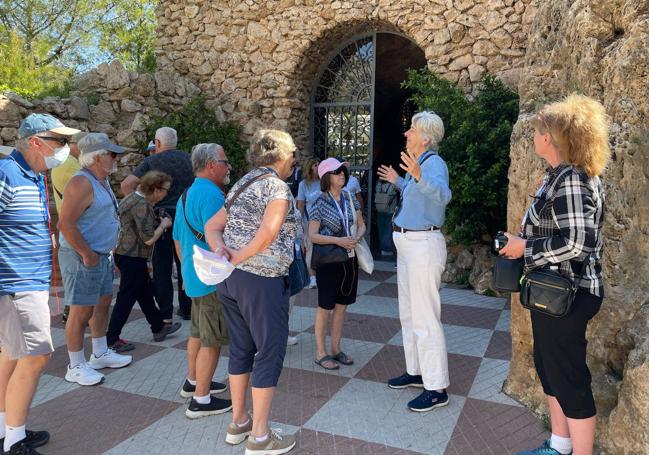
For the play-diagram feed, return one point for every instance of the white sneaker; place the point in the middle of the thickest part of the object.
(291, 341)
(109, 359)
(312, 283)
(82, 374)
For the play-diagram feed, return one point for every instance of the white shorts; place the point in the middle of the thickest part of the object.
(25, 324)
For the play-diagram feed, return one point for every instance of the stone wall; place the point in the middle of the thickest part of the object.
(599, 49)
(258, 61)
(106, 99)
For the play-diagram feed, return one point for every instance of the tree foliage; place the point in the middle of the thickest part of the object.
(195, 123)
(475, 148)
(54, 39)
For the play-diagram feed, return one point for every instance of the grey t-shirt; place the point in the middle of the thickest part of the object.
(244, 219)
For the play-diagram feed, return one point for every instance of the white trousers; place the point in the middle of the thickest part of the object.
(421, 259)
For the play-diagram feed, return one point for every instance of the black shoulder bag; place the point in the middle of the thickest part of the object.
(549, 292)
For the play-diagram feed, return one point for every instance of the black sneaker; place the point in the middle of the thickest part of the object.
(33, 439)
(214, 407)
(187, 391)
(22, 448)
(406, 380)
(167, 329)
(428, 400)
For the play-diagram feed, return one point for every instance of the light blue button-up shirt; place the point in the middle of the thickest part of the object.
(423, 203)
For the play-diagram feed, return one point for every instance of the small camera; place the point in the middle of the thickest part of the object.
(500, 241)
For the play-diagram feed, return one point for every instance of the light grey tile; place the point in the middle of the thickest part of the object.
(176, 434)
(301, 318)
(375, 306)
(365, 285)
(489, 380)
(385, 266)
(362, 408)
(158, 376)
(50, 387)
(465, 297)
(397, 339)
(505, 321)
(58, 337)
(467, 340)
(302, 355)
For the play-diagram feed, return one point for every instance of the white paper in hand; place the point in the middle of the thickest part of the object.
(210, 267)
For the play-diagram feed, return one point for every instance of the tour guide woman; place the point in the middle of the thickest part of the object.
(421, 258)
(257, 231)
(331, 223)
(563, 227)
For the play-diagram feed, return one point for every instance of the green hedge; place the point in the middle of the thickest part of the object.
(475, 148)
(195, 123)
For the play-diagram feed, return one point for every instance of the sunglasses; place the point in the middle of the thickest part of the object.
(113, 155)
(58, 140)
(338, 171)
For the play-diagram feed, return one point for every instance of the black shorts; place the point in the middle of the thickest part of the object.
(337, 284)
(560, 355)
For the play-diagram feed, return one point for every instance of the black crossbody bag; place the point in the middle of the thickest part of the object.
(549, 292)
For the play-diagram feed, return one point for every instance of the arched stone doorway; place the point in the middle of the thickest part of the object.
(359, 111)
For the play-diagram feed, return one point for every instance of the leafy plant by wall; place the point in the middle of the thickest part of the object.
(475, 148)
(195, 123)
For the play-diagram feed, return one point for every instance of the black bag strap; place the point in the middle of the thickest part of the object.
(265, 175)
(199, 235)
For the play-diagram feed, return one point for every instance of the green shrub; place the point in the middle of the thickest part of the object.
(475, 148)
(195, 123)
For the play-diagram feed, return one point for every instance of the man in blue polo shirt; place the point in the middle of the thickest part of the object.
(195, 207)
(25, 267)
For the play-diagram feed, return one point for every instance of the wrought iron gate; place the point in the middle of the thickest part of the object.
(342, 111)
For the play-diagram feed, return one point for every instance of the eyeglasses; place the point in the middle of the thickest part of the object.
(113, 155)
(226, 162)
(337, 171)
(545, 123)
(165, 188)
(59, 140)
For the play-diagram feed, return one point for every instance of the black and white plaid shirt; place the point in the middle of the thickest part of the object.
(564, 224)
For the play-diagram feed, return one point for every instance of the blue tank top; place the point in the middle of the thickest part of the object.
(98, 224)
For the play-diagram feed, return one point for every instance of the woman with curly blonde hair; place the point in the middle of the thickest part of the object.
(561, 229)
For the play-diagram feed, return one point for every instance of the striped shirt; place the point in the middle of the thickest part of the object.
(564, 225)
(25, 245)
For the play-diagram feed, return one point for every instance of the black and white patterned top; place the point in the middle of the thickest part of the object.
(244, 219)
(564, 224)
(325, 211)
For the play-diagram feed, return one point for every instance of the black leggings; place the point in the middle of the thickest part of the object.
(134, 285)
(560, 355)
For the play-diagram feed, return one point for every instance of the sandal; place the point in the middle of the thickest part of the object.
(341, 357)
(321, 361)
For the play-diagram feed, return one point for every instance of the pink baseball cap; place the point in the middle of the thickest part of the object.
(328, 165)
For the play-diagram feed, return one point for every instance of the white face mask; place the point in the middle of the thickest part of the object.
(226, 180)
(60, 155)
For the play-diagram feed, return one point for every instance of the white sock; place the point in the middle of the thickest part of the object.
(13, 435)
(76, 358)
(99, 346)
(312, 280)
(241, 425)
(561, 444)
(202, 400)
(2, 424)
(191, 382)
(261, 438)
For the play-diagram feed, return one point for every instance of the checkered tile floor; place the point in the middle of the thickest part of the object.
(349, 411)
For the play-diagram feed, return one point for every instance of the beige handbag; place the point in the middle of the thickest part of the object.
(363, 253)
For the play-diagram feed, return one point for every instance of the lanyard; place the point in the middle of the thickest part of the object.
(343, 217)
(106, 188)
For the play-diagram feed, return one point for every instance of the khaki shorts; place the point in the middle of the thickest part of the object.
(208, 322)
(25, 324)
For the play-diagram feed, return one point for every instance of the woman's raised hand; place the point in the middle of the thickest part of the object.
(388, 174)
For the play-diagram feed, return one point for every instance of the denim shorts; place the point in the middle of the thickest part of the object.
(84, 285)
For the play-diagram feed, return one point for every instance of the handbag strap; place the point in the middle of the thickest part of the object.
(265, 175)
(199, 235)
(351, 205)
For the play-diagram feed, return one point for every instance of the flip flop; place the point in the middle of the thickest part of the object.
(323, 359)
(341, 357)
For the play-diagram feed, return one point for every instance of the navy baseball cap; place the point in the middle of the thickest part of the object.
(38, 123)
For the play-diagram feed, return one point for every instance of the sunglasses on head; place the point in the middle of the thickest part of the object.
(59, 140)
